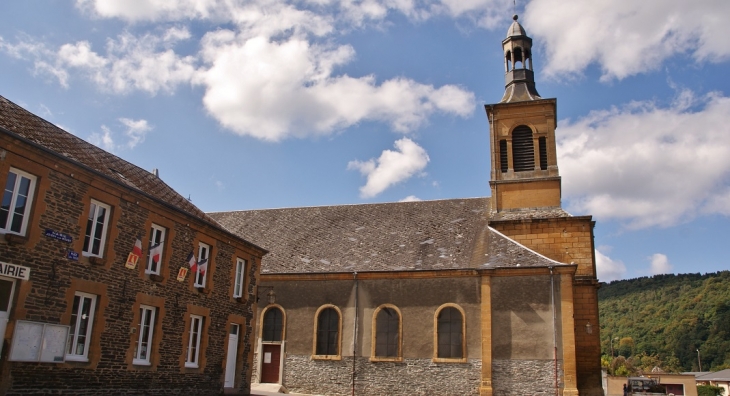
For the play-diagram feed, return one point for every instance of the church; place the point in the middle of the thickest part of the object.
(475, 296)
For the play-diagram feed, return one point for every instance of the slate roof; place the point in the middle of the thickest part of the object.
(27, 125)
(722, 375)
(399, 236)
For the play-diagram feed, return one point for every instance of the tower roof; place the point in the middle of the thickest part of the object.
(516, 29)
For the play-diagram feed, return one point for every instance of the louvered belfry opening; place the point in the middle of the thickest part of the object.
(523, 150)
(543, 153)
(503, 161)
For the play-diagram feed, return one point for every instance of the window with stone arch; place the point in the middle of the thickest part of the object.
(387, 334)
(328, 333)
(272, 327)
(523, 149)
(449, 334)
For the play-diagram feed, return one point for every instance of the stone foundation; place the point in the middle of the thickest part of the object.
(410, 377)
(523, 377)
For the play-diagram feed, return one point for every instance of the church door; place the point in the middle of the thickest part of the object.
(270, 363)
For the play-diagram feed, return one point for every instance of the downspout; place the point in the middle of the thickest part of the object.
(354, 336)
(555, 330)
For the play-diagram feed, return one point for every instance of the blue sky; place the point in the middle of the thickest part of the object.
(272, 103)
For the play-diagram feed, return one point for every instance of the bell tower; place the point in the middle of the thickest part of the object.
(522, 134)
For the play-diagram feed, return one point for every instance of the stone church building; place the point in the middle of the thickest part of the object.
(488, 296)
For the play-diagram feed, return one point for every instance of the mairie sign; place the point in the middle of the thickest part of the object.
(14, 271)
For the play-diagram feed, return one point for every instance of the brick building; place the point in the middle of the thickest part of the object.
(79, 314)
(488, 296)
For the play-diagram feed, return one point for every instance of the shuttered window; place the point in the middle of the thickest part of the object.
(503, 160)
(523, 150)
(543, 153)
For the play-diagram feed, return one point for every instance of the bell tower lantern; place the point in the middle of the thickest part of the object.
(522, 134)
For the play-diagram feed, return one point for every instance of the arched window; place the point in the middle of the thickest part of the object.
(450, 333)
(523, 150)
(328, 332)
(518, 58)
(387, 331)
(508, 60)
(273, 328)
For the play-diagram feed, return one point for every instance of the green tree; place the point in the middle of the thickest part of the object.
(709, 390)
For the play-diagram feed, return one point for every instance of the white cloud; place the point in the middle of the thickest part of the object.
(648, 165)
(136, 131)
(609, 270)
(103, 139)
(410, 198)
(272, 90)
(659, 264)
(627, 37)
(391, 167)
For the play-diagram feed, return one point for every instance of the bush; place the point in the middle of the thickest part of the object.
(709, 390)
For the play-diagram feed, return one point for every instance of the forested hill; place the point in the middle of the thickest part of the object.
(663, 320)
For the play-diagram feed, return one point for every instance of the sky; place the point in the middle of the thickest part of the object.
(274, 103)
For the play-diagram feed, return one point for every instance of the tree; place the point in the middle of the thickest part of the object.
(709, 390)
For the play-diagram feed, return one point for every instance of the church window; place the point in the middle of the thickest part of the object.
(523, 150)
(543, 153)
(503, 160)
(387, 329)
(273, 325)
(327, 332)
(450, 331)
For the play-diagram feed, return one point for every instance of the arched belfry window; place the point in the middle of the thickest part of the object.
(387, 334)
(518, 58)
(450, 333)
(508, 60)
(543, 153)
(273, 328)
(328, 332)
(523, 149)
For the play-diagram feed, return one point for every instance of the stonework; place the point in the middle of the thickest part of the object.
(411, 377)
(524, 377)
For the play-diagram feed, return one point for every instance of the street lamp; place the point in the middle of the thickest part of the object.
(699, 361)
(612, 340)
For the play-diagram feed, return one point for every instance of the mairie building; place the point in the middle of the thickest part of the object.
(474, 296)
(97, 292)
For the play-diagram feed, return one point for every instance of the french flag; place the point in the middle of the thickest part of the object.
(156, 252)
(137, 249)
(193, 262)
(202, 266)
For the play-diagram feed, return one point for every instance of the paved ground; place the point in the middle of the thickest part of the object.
(271, 390)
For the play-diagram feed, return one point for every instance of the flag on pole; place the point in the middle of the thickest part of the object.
(156, 253)
(192, 262)
(202, 266)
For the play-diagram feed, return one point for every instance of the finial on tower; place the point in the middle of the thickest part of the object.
(514, 17)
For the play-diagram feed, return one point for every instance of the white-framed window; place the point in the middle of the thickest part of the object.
(96, 226)
(145, 331)
(196, 329)
(240, 277)
(201, 275)
(157, 243)
(82, 320)
(17, 200)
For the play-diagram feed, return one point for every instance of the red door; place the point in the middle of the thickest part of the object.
(270, 363)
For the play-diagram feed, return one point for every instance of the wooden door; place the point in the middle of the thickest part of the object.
(231, 357)
(270, 363)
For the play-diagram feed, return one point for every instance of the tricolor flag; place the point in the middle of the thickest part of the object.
(156, 253)
(193, 262)
(137, 249)
(202, 266)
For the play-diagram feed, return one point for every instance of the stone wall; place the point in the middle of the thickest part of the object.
(523, 377)
(411, 377)
(61, 203)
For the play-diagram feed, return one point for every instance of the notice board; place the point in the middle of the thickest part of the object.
(38, 342)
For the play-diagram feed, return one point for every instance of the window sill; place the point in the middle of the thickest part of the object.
(449, 360)
(203, 290)
(76, 358)
(239, 299)
(326, 357)
(191, 365)
(15, 239)
(137, 362)
(386, 359)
